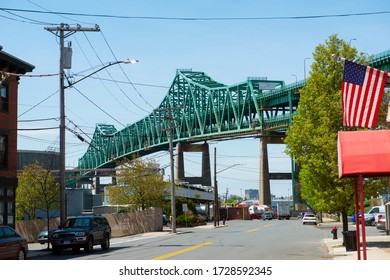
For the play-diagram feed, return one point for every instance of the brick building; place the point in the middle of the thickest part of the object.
(9, 65)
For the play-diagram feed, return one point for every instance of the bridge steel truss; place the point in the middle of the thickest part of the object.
(202, 109)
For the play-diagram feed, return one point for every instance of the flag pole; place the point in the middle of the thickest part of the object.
(357, 220)
(363, 221)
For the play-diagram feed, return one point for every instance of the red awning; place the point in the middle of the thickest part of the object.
(364, 152)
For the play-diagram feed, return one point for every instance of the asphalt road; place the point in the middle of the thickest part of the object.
(237, 240)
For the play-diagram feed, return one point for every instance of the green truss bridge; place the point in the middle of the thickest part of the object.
(199, 109)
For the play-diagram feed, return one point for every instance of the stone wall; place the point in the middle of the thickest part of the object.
(122, 224)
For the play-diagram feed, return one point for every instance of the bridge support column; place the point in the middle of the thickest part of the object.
(205, 178)
(264, 178)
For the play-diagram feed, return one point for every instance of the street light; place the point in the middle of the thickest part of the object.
(133, 61)
(349, 43)
(296, 78)
(304, 68)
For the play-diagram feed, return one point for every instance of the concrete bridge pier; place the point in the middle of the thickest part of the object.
(204, 178)
(264, 182)
(264, 175)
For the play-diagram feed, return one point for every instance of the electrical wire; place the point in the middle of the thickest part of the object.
(40, 120)
(198, 18)
(98, 106)
(98, 77)
(108, 72)
(31, 21)
(36, 105)
(127, 77)
(122, 82)
(43, 8)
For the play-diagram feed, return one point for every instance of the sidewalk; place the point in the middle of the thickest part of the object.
(377, 247)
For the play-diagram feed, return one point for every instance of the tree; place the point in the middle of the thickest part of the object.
(140, 185)
(37, 190)
(312, 138)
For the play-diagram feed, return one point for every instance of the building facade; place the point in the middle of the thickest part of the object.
(10, 68)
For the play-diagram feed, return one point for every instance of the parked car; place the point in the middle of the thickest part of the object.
(13, 245)
(44, 236)
(369, 219)
(309, 218)
(82, 232)
(268, 216)
(371, 216)
(381, 222)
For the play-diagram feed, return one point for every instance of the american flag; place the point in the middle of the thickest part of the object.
(362, 92)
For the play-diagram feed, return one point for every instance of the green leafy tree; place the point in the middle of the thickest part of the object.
(37, 190)
(312, 138)
(139, 185)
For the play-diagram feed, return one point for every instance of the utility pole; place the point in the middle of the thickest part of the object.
(215, 206)
(170, 119)
(59, 31)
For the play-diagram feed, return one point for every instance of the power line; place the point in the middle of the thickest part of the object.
(97, 106)
(98, 77)
(32, 21)
(128, 79)
(40, 120)
(123, 82)
(198, 18)
(43, 8)
(36, 105)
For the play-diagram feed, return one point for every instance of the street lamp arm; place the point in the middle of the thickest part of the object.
(102, 68)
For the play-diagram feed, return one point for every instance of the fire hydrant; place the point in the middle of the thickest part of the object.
(334, 231)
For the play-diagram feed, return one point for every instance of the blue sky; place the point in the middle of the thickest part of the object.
(228, 50)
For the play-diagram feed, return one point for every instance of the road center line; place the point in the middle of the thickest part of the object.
(182, 251)
(253, 230)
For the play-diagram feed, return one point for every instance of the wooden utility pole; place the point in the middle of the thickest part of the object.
(59, 31)
(170, 119)
(215, 206)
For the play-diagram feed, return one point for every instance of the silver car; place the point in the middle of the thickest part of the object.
(381, 221)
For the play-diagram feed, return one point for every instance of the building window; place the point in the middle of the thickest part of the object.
(1, 213)
(10, 193)
(4, 98)
(3, 151)
(10, 211)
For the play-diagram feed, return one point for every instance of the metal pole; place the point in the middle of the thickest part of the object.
(215, 190)
(63, 214)
(304, 68)
(363, 221)
(357, 218)
(173, 198)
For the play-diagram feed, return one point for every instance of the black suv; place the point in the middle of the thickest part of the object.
(82, 232)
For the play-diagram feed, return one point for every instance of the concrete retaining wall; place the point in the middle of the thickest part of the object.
(122, 224)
